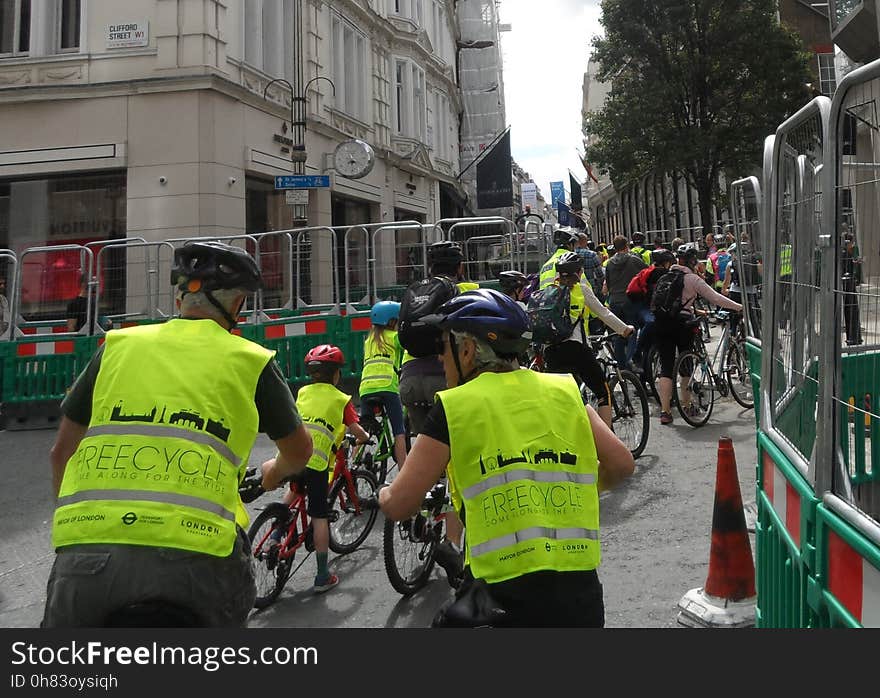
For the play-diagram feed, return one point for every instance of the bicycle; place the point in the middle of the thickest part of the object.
(273, 564)
(696, 377)
(374, 457)
(630, 418)
(409, 545)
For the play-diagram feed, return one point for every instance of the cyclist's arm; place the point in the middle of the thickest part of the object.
(66, 441)
(715, 298)
(615, 460)
(359, 433)
(294, 451)
(603, 313)
(424, 465)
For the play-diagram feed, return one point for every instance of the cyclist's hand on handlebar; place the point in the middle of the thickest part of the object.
(251, 485)
(272, 479)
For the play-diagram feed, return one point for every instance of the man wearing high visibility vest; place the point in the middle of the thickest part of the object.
(638, 248)
(151, 449)
(526, 462)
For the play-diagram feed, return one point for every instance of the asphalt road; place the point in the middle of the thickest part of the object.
(655, 537)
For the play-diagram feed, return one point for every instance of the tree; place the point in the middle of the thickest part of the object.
(696, 86)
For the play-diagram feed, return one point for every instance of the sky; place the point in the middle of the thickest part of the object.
(545, 58)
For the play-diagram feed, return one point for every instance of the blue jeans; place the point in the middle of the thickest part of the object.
(645, 323)
(624, 348)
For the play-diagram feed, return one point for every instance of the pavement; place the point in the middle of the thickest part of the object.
(656, 532)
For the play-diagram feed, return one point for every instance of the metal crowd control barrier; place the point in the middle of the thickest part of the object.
(276, 256)
(418, 268)
(746, 202)
(463, 223)
(292, 337)
(9, 263)
(157, 296)
(316, 232)
(480, 269)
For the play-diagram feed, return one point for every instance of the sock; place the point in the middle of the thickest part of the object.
(323, 572)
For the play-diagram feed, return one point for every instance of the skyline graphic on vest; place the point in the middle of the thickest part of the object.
(184, 417)
(492, 463)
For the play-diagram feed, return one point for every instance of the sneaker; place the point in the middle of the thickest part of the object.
(665, 418)
(321, 587)
(693, 410)
(450, 560)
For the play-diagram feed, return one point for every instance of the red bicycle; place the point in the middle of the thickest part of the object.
(349, 524)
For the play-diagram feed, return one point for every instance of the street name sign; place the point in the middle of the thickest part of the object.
(302, 181)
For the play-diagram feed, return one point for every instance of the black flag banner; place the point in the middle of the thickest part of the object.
(577, 196)
(495, 176)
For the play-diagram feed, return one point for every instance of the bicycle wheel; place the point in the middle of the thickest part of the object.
(349, 524)
(630, 417)
(409, 553)
(270, 573)
(739, 379)
(694, 397)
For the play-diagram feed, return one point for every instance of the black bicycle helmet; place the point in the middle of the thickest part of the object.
(638, 238)
(487, 315)
(512, 280)
(445, 252)
(209, 265)
(570, 263)
(688, 255)
(659, 257)
(564, 236)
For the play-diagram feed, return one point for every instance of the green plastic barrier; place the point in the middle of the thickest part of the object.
(785, 562)
(40, 368)
(292, 338)
(754, 353)
(351, 332)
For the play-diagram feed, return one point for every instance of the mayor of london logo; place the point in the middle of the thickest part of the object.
(129, 518)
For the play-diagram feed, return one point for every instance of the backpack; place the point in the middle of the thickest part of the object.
(666, 301)
(420, 299)
(722, 260)
(637, 289)
(549, 311)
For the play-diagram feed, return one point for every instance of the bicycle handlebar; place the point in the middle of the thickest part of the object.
(251, 486)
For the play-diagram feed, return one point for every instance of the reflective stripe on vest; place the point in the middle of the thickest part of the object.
(172, 425)
(321, 407)
(529, 493)
(380, 363)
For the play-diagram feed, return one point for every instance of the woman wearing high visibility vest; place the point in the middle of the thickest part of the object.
(383, 356)
(526, 462)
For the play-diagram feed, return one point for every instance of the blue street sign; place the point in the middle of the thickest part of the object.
(302, 181)
(557, 193)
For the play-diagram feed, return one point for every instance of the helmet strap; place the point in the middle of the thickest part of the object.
(233, 322)
(453, 347)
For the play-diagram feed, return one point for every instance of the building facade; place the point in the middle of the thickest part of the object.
(165, 119)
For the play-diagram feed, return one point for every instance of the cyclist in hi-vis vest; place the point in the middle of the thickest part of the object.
(153, 443)
(526, 462)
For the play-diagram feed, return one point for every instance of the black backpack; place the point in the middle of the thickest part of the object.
(549, 312)
(420, 299)
(666, 300)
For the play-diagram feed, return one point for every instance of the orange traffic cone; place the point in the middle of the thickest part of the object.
(728, 598)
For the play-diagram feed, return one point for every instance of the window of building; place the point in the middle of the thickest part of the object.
(349, 68)
(408, 9)
(438, 26)
(827, 75)
(410, 100)
(440, 141)
(69, 25)
(15, 27)
(268, 40)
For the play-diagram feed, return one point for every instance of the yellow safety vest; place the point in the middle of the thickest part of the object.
(528, 486)
(547, 276)
(322, 407)
(381, 364)
(173, 422)
(785, 261)
(643, 253)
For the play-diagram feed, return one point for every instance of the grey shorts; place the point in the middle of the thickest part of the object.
(88, 582)
(417, 395)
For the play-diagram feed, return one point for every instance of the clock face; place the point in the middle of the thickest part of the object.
(353, 159)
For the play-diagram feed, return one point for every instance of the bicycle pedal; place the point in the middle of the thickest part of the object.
(333, 516)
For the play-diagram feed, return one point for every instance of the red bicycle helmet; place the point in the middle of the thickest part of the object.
(325, 354)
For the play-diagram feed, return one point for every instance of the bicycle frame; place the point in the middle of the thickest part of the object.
(287, 549)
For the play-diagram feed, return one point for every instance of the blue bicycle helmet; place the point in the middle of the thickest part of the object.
(488, 315)
(384, 312)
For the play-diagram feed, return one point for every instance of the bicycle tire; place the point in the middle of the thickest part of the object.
(738, 375)
(348, 519)
(396, 536)
(701, 387)
(630, 408)
(269, 577)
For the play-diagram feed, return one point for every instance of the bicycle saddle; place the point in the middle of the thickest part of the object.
(153, 614)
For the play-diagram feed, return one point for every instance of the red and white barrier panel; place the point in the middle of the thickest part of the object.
(785, 499)
(295, 329)
(853, 581)
(25, 348)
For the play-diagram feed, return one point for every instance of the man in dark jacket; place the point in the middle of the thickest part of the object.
(621, 268)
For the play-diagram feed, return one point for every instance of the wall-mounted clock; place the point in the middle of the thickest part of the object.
(354, 158)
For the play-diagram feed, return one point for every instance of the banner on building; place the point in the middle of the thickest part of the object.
(557, 193)
(577, 195)
(529, 191)
(562, 213)
(495, 176)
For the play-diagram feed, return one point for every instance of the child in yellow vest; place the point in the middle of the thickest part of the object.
(383, 357)
(326, 412)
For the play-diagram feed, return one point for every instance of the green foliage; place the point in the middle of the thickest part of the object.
(696, 86)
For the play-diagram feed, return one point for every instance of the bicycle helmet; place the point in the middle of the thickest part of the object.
(570, 263)
(564, 236)
(445, 252)
(324, 354)
(638, 238)
(384, 312)
(488, 315)
(659, 257)
(511, 281)
(687, 255)
(214, 265)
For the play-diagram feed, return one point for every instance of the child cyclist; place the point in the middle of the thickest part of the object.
(383, 357)
(326, 412)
